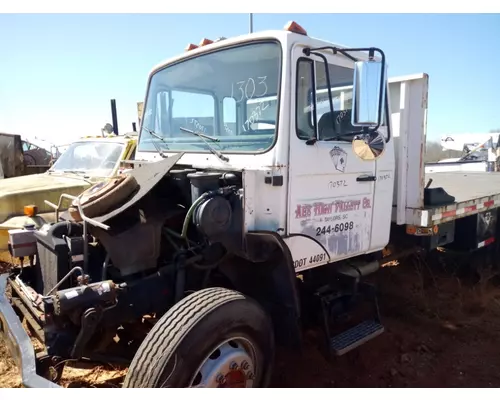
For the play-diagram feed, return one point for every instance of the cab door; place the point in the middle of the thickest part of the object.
(331, 190)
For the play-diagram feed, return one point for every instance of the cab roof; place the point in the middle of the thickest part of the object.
(286, 36)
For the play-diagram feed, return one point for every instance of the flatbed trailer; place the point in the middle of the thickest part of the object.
(474, 192)
(430, 203)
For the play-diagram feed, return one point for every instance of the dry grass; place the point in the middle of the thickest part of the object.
(97, 376)
(73, 375)
(9, 375)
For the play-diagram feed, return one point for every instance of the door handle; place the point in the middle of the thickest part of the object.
(366, 178)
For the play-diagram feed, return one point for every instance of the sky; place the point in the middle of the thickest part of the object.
(58, 72)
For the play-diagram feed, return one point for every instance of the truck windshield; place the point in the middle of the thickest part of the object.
(90, 158)
(230, 95)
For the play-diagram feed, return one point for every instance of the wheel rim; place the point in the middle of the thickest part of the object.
(231, 364)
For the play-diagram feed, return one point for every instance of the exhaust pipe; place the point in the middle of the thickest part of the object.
(114, 116)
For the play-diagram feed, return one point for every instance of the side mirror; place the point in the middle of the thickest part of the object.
(368, 93)
(368, 147)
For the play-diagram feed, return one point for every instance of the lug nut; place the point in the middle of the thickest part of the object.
(251, 376)
(220, 379)
(233, 365)
(245, 365)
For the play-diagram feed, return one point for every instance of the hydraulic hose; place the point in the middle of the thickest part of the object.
(190, 213)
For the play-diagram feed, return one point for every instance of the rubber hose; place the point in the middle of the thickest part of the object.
(190, 213)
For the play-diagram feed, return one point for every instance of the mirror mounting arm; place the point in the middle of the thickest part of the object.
(335, 50)
(330, 99)
(345, 52)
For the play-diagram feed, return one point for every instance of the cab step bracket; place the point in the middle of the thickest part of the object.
(337, 307)
(355, 336)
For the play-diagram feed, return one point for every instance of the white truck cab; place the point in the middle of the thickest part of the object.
(262, 101)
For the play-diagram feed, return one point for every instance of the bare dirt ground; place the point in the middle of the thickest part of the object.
(441, 331)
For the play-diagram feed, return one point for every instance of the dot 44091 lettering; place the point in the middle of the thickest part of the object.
(338, 206)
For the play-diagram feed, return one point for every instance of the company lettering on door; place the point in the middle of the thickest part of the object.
(341, 226)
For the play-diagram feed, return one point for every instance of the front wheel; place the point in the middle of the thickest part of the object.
(212, 338)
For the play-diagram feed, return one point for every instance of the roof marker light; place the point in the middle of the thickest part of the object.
(190, 46)
(204, 42)
(293, 26)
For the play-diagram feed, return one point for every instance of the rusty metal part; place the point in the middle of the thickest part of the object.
(83, 279)
(26, 301)
(401, 254)
(37, 328)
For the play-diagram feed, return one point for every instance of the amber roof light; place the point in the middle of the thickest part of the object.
(190, 46)
(204, 42)
(294, 27)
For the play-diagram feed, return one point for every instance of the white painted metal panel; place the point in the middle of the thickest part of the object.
(408, 99)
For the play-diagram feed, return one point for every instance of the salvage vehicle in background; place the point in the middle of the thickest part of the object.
(475, 157)
(85, 162)
(277, 170)
(39, 153)
(20, 156)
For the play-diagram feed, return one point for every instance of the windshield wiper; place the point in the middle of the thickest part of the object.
(202, 136)
(213, 139)
(155, 135)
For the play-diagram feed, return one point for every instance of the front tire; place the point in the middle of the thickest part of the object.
(212, 338)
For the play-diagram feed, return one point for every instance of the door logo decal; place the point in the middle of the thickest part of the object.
(339, 158)
(341, 226)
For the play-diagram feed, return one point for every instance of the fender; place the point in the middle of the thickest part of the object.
(266, 274)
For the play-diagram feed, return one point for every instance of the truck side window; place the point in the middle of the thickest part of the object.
(304, 116)
(341, 81)
(313, 103)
